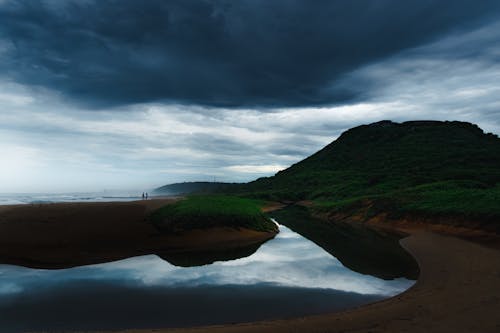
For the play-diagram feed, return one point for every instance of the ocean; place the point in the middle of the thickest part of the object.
(34, 198)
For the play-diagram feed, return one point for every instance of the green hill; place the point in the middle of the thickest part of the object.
(191, 187)
(428, 168)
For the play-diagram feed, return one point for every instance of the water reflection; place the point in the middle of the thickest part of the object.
(287, 276)
(359, 248)
(200, 258)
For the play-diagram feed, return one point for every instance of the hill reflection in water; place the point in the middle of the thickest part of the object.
(288, 276)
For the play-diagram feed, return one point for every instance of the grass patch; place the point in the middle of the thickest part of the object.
(459, 200)
(208, 211)
(451, 198)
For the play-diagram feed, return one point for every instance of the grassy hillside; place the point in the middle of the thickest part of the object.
(429, 168)
(199, 212)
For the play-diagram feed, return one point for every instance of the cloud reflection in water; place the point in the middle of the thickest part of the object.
(287, 276)
(288, 260)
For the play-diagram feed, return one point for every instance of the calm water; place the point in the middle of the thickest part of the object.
(288, 276)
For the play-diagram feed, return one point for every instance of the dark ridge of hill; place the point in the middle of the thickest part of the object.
(191, 187)
(427, 167)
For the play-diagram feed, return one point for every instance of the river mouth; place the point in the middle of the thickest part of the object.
(286, 277)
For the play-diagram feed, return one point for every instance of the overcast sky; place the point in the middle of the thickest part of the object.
(125, 94)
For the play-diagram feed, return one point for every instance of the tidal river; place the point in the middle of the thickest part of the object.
(287, 276)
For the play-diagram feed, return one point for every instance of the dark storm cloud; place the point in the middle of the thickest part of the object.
(216, 53)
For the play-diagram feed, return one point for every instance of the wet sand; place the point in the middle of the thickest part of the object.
(63, 235)
(458, 291)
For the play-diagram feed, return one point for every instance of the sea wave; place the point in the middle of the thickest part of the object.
(38, 198)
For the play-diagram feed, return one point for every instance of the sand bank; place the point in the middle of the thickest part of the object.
(64, 235)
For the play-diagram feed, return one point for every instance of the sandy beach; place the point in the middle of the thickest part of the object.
(63, 235)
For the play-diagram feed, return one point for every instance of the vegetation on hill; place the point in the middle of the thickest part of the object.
(207, 211)
(430, 168)
(191, 187)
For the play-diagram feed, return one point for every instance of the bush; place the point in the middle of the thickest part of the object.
(208, 211)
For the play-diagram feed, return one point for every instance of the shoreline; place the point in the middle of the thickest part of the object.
(458, 290)
(64, 235)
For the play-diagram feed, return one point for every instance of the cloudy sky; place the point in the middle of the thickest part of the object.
(120, 94)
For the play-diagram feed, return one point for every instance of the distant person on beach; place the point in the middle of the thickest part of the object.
(146, 195)
(143, 196)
